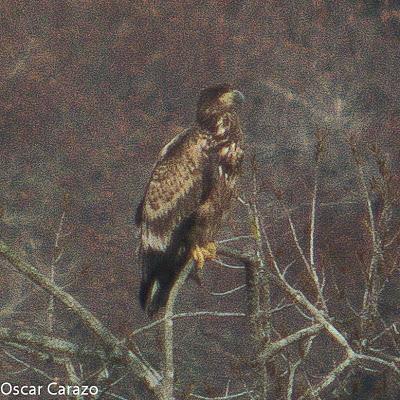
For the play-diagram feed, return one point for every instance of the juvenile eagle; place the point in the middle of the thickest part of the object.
(189, 191)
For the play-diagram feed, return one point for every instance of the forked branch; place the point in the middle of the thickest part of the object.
(118, 350)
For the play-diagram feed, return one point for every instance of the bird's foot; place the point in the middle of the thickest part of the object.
(198, 257)
(210, 251)
(201, 254)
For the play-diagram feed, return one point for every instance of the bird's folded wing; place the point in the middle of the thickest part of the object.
(175, 191)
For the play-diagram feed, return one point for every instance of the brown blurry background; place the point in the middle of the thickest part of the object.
(91, 90)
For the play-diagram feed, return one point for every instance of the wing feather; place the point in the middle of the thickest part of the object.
(175, 189)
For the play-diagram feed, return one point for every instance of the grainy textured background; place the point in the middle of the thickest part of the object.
(91, 90)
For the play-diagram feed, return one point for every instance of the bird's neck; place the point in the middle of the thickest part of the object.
(226, 129)
(220, 125)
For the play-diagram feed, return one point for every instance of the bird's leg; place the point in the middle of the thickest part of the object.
(201, 254)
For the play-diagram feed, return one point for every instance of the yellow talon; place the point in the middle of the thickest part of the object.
(210, 251)
(201, 254)
(198, 257)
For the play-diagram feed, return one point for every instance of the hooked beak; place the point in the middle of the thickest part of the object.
(231, 98)
(238, 97)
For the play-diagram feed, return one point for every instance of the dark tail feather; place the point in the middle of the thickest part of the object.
(160, 271)
(154, 295)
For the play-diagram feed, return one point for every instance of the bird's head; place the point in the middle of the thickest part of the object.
(216, 101)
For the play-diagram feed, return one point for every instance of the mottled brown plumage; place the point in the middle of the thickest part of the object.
(189, 190)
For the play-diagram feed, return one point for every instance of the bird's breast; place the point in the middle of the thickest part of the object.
(229, 161)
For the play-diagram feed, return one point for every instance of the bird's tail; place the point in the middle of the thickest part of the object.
(160, 271)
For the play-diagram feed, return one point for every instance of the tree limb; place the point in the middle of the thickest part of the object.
(118, 350)
(49, 344)
(275, 347)
(168, 342)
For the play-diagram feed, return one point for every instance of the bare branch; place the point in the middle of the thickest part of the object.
(333, 375)
(389, 364)
(275, 347)
(209, 313)
(116, 396)
(288, 267)
(233, 239)
(228, 291)
(373, 286)
(296, 295)
(261, 273)
(392, 240)
(312, 223)
(168, 342)
(259, 294)
(292, 372)
(228, 265)
(227, 387)
(55, 259)
(48, 344)
(106, 390)
(139, 367)
(72, 376)
(226, 397)
(310, 266)
(25, 364)
(188, 315)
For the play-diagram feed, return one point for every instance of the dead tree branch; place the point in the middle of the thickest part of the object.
(275, 347)
(168, 342)
(48, 344)
(118, 350)
(374, 280)
(333, 375)
(54, 260)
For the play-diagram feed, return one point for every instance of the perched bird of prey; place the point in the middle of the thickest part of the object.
(189, 191)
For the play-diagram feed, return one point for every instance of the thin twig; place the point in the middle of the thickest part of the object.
(309, 266)
(312, 223)
(296, 295)
(187, 315)
(372, 287)
(48, 344)
(231, 396)
(228, 291)
(226, 265)
(292, 372)
(332, 376)
(25, 364)
(55, 258)
(234, 239)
